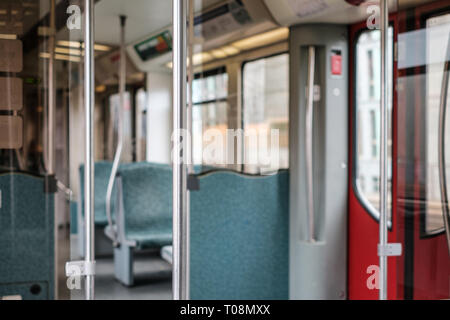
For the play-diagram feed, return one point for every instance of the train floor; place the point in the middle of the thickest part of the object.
(153, 279)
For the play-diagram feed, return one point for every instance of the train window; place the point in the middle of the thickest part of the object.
(438, 29)
(367, 101)
(209, 111)
(265, 112)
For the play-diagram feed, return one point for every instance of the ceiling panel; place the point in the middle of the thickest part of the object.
(144, 17)
(292, 12)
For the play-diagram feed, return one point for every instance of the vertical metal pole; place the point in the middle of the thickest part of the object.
(89, 103)
(180, 234)
(190, 145)
(384, 21)
(191, 79)
(51, 132)
(309, 142)
(51, 93)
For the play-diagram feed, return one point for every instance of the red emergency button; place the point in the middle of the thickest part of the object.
(336, 63)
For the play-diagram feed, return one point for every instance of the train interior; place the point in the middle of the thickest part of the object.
(283, 149)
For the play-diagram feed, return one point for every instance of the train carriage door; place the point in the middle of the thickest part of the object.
(364, 174)
(419, 150)
(423, 152)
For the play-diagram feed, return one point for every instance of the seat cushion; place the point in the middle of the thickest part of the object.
(146, 239)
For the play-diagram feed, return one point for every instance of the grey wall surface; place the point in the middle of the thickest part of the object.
(319, 270)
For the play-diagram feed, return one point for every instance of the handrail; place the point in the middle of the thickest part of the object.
(309, 142)
(441, 144)
(63, 188)
(118, 154)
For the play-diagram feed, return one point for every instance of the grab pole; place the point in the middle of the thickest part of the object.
(180, 214)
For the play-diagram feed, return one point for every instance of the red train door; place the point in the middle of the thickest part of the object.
(418, 207)
(364, 157)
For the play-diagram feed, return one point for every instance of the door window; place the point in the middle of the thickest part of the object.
(367, 101)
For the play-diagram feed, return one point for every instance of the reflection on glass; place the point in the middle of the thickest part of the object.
(39, 106)
(368, 79)
(266, 107)
(421, 53)
(437, 32)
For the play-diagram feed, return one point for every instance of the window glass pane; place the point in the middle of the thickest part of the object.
(437, 32)
(210, 88)
(266, 110)
(209, 116)
(368, 77)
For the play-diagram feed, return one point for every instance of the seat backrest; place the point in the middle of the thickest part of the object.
(239, 237)
(147, 196)
(26, 236)
(102, 172)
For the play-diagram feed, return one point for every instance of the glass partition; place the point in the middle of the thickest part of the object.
(423, 148)
(38, 96)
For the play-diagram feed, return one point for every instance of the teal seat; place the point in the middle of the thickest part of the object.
(146, 192)
(199, 169)
(26, 238)
(147, 204)
(239, 237)
(144, 219)
(154, 237)
(102, 172)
